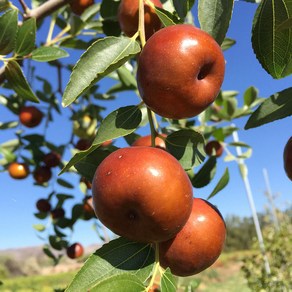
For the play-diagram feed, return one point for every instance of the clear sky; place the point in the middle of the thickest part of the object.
(17, 198)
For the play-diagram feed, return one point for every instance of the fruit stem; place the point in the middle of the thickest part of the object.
(141, 26)
(156, 267)
(152, 127)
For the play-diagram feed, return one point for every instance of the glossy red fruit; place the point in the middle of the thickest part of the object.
(52, 159)
(128, 17)
(58, 213)
(75, 250)
(83, 144)
(142, 193)
(288, 158)
(180, 71)
(146, 141)
(198, 245)
(79, 6)
(30, 116)
(214, 148)
(42, 174)
(43, 205)
(18, 170)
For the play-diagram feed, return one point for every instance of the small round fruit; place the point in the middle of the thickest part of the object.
(146, 141)
(52, 159)
(198, 245)
(180, 71)
(128, 17)
(83, 144)
(75, 250)
(43, 205)
(79, 6)
(88, 207)
(18, 170)
(288, 158)
(142, 193)
(214, 148)
(42, 174)
(58, 213)
(30, 116)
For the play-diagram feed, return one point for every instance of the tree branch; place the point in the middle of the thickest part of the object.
(39, 13)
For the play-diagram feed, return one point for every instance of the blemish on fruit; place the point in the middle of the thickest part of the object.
(108, 173)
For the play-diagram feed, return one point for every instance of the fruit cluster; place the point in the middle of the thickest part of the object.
(141, 192)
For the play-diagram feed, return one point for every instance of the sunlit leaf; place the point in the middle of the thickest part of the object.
(221, 184)
(46, 54)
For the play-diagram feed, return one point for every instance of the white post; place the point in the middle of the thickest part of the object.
(244, 176)
(270, 198)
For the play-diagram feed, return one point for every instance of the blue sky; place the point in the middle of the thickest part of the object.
(17, 198)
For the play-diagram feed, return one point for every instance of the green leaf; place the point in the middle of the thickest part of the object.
(127, 78)
(119, 123)
(221, 184)
(187, 146)
(74, 43)
(285, 24)
(206, 173)
(101, 58)
(166, 17)
(273, 47)
(227, 43)
(214, 17)
(8, 31)
(167, 282)
(48, 252)
(57, 242)
(250, 95)
(25, 41)
(121, 283)
(39, 227)
(64, 183)
(18, 81)
(46, 54)
(4, 4)
(8, 125)
(118, 257)
(182, 7)
(277, 106)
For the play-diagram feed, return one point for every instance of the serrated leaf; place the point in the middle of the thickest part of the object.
(8, 31)
(46, 54)
(18, 81)
(101, 58)
(118, 257)
(273, 47)
(64, 183)
(206, 173)
(221, 184)
(167, 282)
(250, 95)
(187, 146)
(227, 43)
(214, 17)
(25, 41)
(277, 106)
(119, 123)
(39, 227)
(182, 7)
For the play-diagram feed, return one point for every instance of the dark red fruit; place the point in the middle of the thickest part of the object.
(42, 174)
(52, 159)
(198, 245)
(30, 116)
(79, 6)
(58, 213)
(83, 144)
(214, 148)
(75, 250)
(146, 141)
(142, 193)
(287, 156)
(43, 205)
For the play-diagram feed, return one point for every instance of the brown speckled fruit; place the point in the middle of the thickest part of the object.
(128, 16)
(30, 116)
(288, 158)
(146, 141)
(142, 193)
(18, 170)
(180, 71)
(198, 245)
